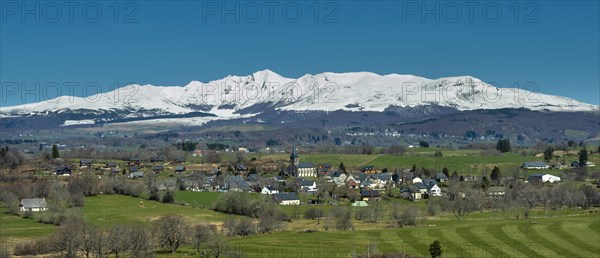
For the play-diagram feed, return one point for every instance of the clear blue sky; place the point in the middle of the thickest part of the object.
(553, 44)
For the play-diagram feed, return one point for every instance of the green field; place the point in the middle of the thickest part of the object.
(13, 226)
(114, 209)
(566, 233)
(550, 237)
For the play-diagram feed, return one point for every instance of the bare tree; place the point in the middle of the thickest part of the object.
(140, 242)
(269, 216)
(93, 241)
(67, 238)
(212, 157)
(339, 219)
(10, 201)
(118, 239)
(202, 234)
(171, 232)
(462, 200)
(405, 217)
(217, 245)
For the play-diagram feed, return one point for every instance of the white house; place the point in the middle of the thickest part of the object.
(550, 178)
(543, 178)
(434, 190)
(269, 190)
(417, 180)
(34, 204)
(308, 185)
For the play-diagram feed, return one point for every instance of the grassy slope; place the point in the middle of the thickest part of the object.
(13, 226)
(548, 237)
(463, 161)
(567, 233)
(111, 209)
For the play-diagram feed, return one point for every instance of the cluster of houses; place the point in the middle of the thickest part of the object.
(368, 181)
(554, 165)
(132, 167)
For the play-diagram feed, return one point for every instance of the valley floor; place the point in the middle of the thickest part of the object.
(567, 233)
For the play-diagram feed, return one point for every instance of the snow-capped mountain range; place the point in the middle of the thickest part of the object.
(233, 96)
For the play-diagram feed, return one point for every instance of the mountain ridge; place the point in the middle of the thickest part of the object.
(234, 95)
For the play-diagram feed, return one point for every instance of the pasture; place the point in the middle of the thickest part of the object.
(566, 233)
(569, 236)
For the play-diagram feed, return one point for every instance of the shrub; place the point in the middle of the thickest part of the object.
(169, 197)
(313, 213)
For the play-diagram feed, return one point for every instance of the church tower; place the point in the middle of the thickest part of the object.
(294, 158)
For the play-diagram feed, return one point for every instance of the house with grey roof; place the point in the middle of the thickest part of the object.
(63, 171)
(85, 163)
(286, 198)
(269, 190)
(34, 204)
(534, 165)
(307, 185)
(441, 177)
(137, 174)
(236, 183)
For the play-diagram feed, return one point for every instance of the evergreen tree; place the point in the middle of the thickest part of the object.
(485, 182)
(169, 197)
(583, 156)
(55, 153)
(503, 145)
(435, 249)
(495, 174)
(342, 167)
(445, 171)
(454, 176)
(548, 153)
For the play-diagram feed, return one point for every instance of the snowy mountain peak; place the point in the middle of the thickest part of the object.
(351, 91)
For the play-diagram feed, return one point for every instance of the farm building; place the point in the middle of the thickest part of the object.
(360, 204)
(85, 163)
(63, 171)
(286, 198)
(543, 178)
(534, 165)
(34, 204)
(368, 195)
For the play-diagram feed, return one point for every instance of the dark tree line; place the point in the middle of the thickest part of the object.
(503, 145)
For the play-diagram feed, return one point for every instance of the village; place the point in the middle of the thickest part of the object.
(285, 182)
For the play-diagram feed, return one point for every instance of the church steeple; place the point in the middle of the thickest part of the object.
(294, 158)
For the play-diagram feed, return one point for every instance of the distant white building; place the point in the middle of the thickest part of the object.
(307, 170)
(269, 190)
(543, 178)
(417, 180)
(434, 190)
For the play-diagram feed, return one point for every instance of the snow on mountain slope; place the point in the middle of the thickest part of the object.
(357, 91)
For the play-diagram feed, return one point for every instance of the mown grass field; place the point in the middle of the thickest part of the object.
(571, 236)
(464, 162)
(114, 209)
(568, 233)
(13, 228)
